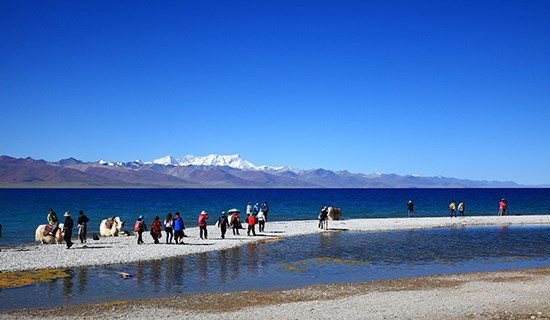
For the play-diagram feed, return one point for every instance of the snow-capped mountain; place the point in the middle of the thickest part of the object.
(215, 160)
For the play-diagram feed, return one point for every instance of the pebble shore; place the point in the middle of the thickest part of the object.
(114, 250)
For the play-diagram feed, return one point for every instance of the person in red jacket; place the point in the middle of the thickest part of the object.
(202, 224)
(251, 222)
(156, 228)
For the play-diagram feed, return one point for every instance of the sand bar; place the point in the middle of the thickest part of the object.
(125, 249)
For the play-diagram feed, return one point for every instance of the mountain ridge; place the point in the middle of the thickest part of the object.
(212, 171)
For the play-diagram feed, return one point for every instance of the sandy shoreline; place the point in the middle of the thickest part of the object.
(125, 249)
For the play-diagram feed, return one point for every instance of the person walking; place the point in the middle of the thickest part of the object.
(82, 226)
(461, 209)
(202, 224)
(410, 206)
(502, 207)
(68, 229)
(178, 228)
(168, 228)
(452, 208)
(223, 223)
(251, 222)
(139, 227)
(156, 228)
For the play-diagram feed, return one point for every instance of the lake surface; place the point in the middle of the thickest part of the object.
(330, 257)
(21, 210)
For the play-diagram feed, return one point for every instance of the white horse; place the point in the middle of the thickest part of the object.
(111, 227)
(39, 235)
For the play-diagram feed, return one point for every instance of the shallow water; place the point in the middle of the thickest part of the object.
(299, 261)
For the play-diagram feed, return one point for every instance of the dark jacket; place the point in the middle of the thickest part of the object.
(69, 224)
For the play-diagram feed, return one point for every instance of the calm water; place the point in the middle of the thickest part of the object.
(21, 210)
(299, 261)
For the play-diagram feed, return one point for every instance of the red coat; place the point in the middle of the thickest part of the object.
(156, 226)
(202, 220)
(251, 220)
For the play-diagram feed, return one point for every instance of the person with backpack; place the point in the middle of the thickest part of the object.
(452, 208)
(178, 228)
(461, 209)
(265, 210)
(235, 222)
(202, 224)
(261, 221)
(139, 227)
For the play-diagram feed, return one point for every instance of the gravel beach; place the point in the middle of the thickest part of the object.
(112, 250)
(515, 294)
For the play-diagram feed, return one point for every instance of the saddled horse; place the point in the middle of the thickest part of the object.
(42, 234)
(111, 227)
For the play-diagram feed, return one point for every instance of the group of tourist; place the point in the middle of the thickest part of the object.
(68, 225)
(503, 208)
(174, 226)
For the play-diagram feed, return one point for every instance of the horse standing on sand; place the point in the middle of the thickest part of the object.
(45, 237)
(111, 227)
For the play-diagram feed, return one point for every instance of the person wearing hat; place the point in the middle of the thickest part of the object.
(139, 227)
(202, 224)
(68, 229)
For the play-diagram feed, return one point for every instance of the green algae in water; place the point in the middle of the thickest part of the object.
(25, 278)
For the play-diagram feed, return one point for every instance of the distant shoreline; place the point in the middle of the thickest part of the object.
(119, 250)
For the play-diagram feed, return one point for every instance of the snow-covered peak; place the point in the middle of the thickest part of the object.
(233, 161)
(167, 161)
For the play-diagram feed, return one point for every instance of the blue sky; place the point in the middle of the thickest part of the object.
(451, 88)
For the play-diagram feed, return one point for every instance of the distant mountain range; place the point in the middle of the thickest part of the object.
(212, 171)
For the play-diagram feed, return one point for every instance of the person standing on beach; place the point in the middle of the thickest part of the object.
(223, 223)
(256, 209)
(178, 228)
(323, 217)
(251, 222)
(461, 209)
(139, 227)
(261, 221)
(156, 228)
(248, 208)
(68, 229)
(452, 208)
(410, 206)
(202, 224)
(235, 222)
(82, 226)
(502, 207)
(168, 228)
(265, 209)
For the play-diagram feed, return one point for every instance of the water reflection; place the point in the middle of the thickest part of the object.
(323, 258)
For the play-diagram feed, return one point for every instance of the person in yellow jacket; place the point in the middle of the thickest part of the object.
(452, 208)
(461, 209)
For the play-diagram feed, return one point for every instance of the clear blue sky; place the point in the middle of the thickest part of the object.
(452, 88)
